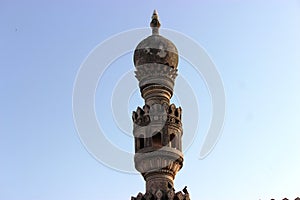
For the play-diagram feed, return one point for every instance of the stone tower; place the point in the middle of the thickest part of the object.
(157, 126)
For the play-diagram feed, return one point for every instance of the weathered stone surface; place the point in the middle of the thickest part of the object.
(156, 49)
(157, 127)
(163, 195)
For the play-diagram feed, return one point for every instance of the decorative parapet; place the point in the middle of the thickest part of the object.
(141, 116)
(298, 198)
(164, 113)
(160, 195)
(155, 70)
(155, 74)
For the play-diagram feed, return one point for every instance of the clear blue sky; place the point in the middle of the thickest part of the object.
(255, 46)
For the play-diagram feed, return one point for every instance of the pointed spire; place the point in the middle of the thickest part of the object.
(155, 24)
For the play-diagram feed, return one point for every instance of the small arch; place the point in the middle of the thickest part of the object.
(173, 140)
(136, 142)
(156, 140)
(141, 142)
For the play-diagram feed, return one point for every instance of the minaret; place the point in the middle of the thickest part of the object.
(157, 127)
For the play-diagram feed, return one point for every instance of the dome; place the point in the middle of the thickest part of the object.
(156, 48)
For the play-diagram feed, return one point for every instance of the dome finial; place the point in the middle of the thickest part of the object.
(155, 24)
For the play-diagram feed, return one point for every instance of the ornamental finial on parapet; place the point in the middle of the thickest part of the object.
(155, 24)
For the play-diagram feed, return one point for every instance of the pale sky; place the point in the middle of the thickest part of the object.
(255, 46)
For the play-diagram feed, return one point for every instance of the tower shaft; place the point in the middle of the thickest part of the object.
(157, 126)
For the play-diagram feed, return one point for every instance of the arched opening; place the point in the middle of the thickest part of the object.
(141, 141)
(136, 142)
(173, 140)
(156, 140)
